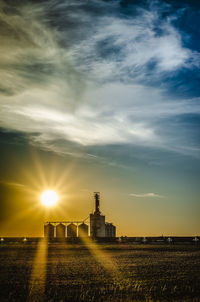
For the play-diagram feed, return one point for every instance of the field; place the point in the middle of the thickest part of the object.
(115, 272)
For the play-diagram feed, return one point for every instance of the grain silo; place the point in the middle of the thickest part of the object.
(97, 220)
(113, 230)
(71, 230)
(60, 231)
(83, 230)
(49, 230)
(97, 228)
(110, 230)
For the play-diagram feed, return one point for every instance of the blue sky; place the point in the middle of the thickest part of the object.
(113, 85)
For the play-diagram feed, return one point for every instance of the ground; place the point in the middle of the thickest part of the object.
(91, 272)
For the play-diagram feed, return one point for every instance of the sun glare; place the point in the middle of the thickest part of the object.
(49, 198)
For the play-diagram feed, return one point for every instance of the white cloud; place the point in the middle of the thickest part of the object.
(103, 117)
(120, 47)
(146, 195)
(74, 94)
(74, 126)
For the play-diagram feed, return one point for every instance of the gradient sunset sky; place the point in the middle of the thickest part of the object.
(100, 96)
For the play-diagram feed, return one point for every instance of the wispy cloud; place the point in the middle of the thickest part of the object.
(12, 184)
(73, 85)
(146, 195)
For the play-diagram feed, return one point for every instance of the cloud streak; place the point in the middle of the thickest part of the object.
(146, 195)
(12, 184)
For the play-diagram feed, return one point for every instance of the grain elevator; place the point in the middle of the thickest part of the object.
(94, 226)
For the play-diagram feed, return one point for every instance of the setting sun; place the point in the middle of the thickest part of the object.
(49, 198)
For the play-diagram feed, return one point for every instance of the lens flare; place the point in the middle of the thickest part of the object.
(49, 198)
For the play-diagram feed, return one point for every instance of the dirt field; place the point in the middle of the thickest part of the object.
(61, 272)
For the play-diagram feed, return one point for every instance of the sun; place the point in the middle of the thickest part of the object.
(49, 198)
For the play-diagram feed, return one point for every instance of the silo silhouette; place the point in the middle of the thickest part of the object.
(71, 230)
(60, 231)
(110, 230)
(113, 231)
(83, 230)
(49, 230)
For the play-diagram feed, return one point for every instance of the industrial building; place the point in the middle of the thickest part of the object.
(94, 226)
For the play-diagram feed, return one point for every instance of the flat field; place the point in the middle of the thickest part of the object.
(115, 272)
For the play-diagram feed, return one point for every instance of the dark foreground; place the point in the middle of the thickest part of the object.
(61, 272)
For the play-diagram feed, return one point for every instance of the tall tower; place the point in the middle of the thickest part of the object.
(97, 202)
(97, 220)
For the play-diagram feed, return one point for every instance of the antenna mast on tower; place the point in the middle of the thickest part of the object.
(97, 202)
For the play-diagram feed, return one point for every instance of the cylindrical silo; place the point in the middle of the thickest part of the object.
(60, 231)
(108, 227)
(83, 230)
(110, 230)
(49, 230)
(113, 231)
(71, 230)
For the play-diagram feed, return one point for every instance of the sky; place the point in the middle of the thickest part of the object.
(100, 96)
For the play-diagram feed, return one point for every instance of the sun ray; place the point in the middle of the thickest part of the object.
(38, 276)
(99, 254)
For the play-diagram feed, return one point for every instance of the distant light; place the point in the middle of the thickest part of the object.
(24, 239)
(2, 239)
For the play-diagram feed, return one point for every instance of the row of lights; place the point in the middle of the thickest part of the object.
(144, 239)
(24, 239)
(196, 239)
